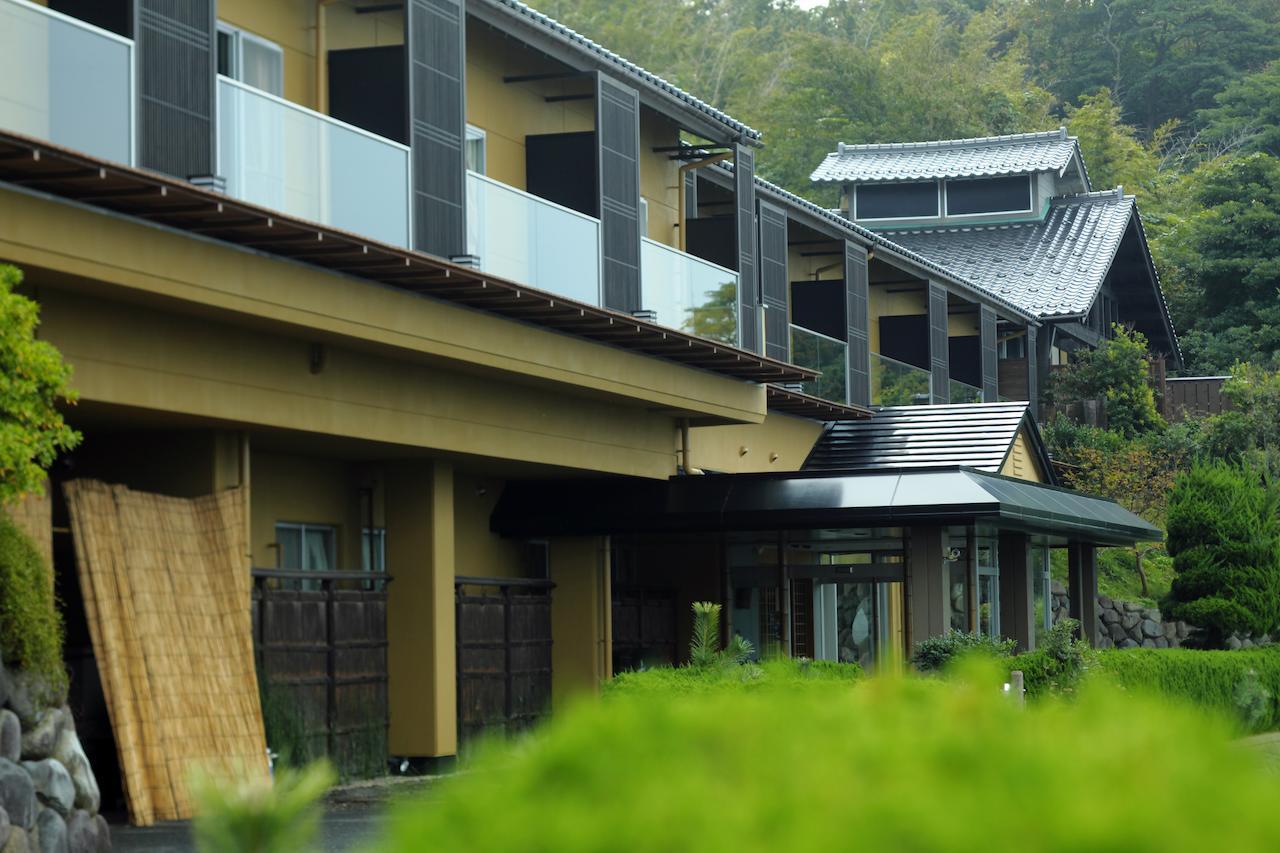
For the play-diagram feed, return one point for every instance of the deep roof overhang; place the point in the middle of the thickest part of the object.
(35, 165)
(815, 408)
(723, 502)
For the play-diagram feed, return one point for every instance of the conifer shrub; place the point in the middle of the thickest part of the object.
(937, 653)
(890, 763)
(1224, 537)
(31, 630)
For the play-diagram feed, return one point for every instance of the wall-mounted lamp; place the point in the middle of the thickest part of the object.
(317, 358)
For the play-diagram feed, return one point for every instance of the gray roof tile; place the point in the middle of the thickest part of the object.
(1016, 154)
(1051, 268)
(635, 71)
(977, 435)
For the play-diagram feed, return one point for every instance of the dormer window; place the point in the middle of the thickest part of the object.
(896, 201)
(989, 195)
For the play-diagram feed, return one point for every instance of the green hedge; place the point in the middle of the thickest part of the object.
(772, 674)
(30, 624)
(1243, 684)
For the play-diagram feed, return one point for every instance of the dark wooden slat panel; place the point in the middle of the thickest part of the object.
(939, 342)
(436, 73)
(744, 175)
(990, 355)
(618, 159)
(857, 312)
(176, 73)
(774, 281)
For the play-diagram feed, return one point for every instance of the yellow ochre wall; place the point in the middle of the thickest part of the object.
(801, 268)
(882, 303)
(481, 552)
(787, 438)
(1021, 461)
(508, 112)
(581, 611)
(659, 176)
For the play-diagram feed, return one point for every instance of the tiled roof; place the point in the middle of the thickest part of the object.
(976, 435)
(835, 217)
(1015, 154)
(630, 68)
(1051, 268)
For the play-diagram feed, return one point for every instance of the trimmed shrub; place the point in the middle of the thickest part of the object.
(1224, 537)
(926, 765)
(778, 673)
(936, 653)
(1058, 665)
(1243, 685)
(30, 625)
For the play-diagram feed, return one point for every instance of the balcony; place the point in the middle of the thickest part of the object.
(687, 293)
(66, 81)
(961, 392)
(279, 155)
(896, 383)
(524, 238)
(828, 355)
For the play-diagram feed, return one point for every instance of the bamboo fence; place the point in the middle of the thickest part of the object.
(167, 596)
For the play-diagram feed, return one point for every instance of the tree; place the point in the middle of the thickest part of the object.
(33, 378)
(1109, 146)
(1224, 537)
(1247, 113)
(1116, 373)
(1249, 432)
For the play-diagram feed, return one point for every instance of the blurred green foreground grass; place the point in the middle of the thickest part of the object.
(881, 764)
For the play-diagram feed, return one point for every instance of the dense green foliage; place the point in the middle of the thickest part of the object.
(30, 622)
(262, 815)
(704, 646)
(1057, 665)
(33, 379)
(1224, 537)
(936, 653)
(778, 673)
(1116, 373)
(1242, 684)
(887, 764)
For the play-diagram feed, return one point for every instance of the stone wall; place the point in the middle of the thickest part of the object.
(49, 796)
(1126, 625)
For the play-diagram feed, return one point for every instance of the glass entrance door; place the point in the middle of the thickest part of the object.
(988, 589)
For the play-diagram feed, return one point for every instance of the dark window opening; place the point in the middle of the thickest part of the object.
(989, 195)
(896, 201)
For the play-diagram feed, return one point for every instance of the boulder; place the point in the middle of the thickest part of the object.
(1152, 629)
(1170, 631)
(82, 833)
(5, 828)
(17, 843)
(1183, 630)
(1162, 643)
(1127, 644)
(10, 736)
(1151, 613)
(51, 832)
(18, 795)
(53, 784)
(4, 690)
(1110, 617)
(1148, 643)
(39, 740)
(1105, 603)
(1116, 632)
(1233, 643)
(1130, 620)
(71, 754)
(1131, 607)
(1057, 588)
(104, 834)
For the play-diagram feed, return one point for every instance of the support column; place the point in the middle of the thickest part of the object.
(581, 617)
(1017, 604)
(421, 635)
(926, 593)
(1082, 588)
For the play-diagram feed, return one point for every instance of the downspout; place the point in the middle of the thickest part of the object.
(684, 448)
(685, 169)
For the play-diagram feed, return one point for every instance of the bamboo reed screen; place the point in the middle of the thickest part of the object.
(33, 516)
(167, 594)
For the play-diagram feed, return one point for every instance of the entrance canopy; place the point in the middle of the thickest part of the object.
(888, 497)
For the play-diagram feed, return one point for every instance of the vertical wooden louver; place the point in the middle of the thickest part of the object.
(857, 312)
(436, 57)
(176, 72)
(939, 343)
(744, 170)
(1033, 368)
(990, 355)
(774, 282)
(618, 158)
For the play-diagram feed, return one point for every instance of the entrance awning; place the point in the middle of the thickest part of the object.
(887, 498)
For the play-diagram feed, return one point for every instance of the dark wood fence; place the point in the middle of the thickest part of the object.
(1194, 396)
(644, 627)
(320, 641)
(504, 654)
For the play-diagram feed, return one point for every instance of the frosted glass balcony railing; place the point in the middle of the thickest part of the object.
(279, 155)
(66, 81)
(962, 392)
(819, 352)
(688, 293)
(895, 383)
(531, 240)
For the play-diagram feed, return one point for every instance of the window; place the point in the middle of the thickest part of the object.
(1013, 347)
(306, 547)
(896, 201)
(644, 216)
(250, 59)
(373, 549)
(989, 195)
(1042, 591)
(475, 149)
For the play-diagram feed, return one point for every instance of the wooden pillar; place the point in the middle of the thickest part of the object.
(926, 587)
(1017, 603)
(421, 614)
(1082, 588)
